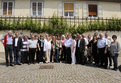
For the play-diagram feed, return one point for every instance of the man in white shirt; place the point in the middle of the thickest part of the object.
(67, 44)
(17, 46)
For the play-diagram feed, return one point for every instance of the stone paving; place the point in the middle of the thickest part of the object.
(62, 73)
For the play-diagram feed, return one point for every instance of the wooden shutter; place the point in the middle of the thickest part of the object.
(92, 10)
(68, 7)
(4, 8)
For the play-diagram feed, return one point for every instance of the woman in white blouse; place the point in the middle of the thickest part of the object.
(47, 49)
(73, 48)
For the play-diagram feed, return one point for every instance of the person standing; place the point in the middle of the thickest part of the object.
(47, 49)
(81, 44)
(53, 48)
(58, 45)
(73, 49)
(32, 49)
(63, 54)
(94, 50)
(8, 44)
(108, 55)
(17, 46)
(115, 51)
(25, 50)
(102, 49)
(67, 44)
(40, 49)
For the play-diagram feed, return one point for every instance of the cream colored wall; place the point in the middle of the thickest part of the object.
(111, 9)
(22, 8)
(50, 7)
(0, 7)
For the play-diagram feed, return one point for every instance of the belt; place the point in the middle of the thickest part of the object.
(9, 44)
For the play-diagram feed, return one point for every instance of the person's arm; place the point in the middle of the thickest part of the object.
(2, 40)
(38, 46)
(118, 47)
(106, 46)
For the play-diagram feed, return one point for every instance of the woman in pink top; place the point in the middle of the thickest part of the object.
(63, 58)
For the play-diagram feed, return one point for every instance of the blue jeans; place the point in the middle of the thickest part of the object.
(17, 56)
(57, 55)
(115, 61)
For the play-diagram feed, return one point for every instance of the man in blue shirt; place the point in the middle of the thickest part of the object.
(102, 49)
(67, 44)
(8, 44)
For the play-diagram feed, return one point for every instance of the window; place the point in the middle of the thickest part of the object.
(92, 10)
(36, 9)
(7, 8)
(68, 9)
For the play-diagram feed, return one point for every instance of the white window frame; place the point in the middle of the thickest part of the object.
(97, 10)
(36, 9)
(73, 12)
(7, 9)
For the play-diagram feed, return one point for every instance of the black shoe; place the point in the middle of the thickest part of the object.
(19, 64)
(11, 65)
(14, 63)
(7, 64)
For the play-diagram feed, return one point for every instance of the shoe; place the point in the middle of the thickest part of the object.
(11, 65)
(14, 63)
(19, 64)
(116, 69)
(7, 64)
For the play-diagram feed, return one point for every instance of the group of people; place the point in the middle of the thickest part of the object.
(77, 49)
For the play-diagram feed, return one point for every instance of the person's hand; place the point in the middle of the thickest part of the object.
(20, 49)
(53, 50)
(97, 51)
(66, 47)
(117, 53)
(105, 52)
(39, 49)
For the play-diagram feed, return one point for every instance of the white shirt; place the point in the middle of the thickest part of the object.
(86, 40)
(73, 44)
(47, 45)
(68, 42)
(32, 43)
(102, 43)
(79, 42)
(16, 41)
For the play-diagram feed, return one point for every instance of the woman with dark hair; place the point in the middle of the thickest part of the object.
(114, 49)
(73, 48)
(94, 50)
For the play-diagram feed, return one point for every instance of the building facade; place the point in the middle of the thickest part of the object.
(63, 8)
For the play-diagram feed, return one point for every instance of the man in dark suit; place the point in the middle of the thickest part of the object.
(17, 47)
(81, 49)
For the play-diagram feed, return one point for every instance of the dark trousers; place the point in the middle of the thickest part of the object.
(8, 49)
(41, 55)
(108, 55)
(81, 58)
(24, 57)
(37, 56)
(63, 54)
(68, 52)
(115, 61)
(32, 54)
(95, 56)
(101, 56)
(17, 55)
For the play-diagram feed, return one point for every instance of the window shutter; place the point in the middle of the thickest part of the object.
(84, 10)
(60, 9)
(100, 11)
(68, 7)
(76, 10)
(92, 10)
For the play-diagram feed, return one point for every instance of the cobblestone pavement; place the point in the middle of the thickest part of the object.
(62, 73)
